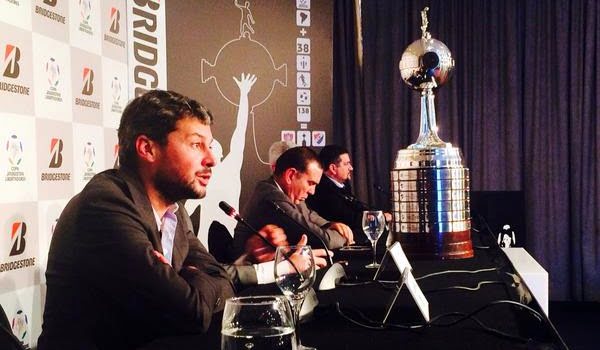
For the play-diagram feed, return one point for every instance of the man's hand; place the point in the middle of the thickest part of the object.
(344, 230)
(258, 251)
(318, 254)
(388, 216)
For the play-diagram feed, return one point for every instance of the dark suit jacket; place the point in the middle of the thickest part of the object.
(107, 289)
(330, 203)
(259, 212)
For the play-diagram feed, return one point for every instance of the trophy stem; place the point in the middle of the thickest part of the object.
(428, 137)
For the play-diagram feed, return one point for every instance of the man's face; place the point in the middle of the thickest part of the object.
(300, 185)
(183, 167)
(342, 171)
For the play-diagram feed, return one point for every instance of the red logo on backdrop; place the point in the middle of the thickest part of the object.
(115, 17)
(56, 147)
(88, 81)
(17, 237)
(12, 55)
(116, 155)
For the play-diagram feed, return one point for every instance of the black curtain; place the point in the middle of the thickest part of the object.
(523, 106)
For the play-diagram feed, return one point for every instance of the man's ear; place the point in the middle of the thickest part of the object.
(332, 169)
(288, 175)
(146, 149)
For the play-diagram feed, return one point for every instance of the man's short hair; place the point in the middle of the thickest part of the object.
(277, 148)
(155, 114)
(298, 158)
(330, 154)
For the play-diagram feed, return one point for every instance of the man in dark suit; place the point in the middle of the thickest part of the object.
(333, 198)
(124, 267)
(280, 200)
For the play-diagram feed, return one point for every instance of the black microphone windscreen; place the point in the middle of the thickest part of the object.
(228, 209)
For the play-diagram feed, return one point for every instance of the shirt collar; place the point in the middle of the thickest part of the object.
(171, 210)
(336, 182)
(277, 184)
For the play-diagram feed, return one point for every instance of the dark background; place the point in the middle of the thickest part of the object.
(522, 105)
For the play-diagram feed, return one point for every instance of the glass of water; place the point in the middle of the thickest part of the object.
(295, 275)
(373, 223)
(258, 322)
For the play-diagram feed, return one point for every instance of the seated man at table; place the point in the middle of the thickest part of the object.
(124, 267)
(333, 198)
(280, 200)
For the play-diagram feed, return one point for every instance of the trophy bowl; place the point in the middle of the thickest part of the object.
(426, 63)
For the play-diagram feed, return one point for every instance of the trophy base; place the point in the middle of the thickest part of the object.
(441, 245)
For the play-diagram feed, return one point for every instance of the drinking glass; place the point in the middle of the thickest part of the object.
(295, 275)
(257, 323)
(373, 223)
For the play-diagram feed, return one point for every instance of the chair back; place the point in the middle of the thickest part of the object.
(220, 242)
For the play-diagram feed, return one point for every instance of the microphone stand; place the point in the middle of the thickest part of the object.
(234, 214)
(360, 205)
(303, 227)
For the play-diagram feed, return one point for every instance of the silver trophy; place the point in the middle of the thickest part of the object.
(429, 185)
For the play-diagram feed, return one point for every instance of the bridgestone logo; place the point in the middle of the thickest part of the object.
(15, 265)
(114, 40)
(87, 103)
(56, 177)
(49, 14)
(17, 89)
(145, 48)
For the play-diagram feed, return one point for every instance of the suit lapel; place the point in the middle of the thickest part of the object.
(140, 198)
(179, 242)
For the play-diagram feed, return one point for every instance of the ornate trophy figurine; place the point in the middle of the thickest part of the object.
(429, 185)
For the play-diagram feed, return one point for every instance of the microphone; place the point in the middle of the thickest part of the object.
(303, 227)
(354, 201)
(228, 209)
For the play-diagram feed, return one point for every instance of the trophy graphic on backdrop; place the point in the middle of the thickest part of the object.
(429, 185)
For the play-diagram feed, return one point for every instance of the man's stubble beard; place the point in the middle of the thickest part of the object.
(176, 189)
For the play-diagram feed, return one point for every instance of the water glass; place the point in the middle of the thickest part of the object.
(257, 323)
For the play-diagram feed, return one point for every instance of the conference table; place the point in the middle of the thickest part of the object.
(488, 307)
(475, 303)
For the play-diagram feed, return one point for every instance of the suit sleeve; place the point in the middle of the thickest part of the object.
(310, 219)
(118, 257)
(239, 275)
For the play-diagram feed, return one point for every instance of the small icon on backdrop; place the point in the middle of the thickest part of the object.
(303, 80)
(303, 126)
(303, 97)
(288, 136)
(303, 18)
(303, 63)
(303, 138)
(303, 46)
(318, 138)
(506, 238)
(303, 4)
(303, 114)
